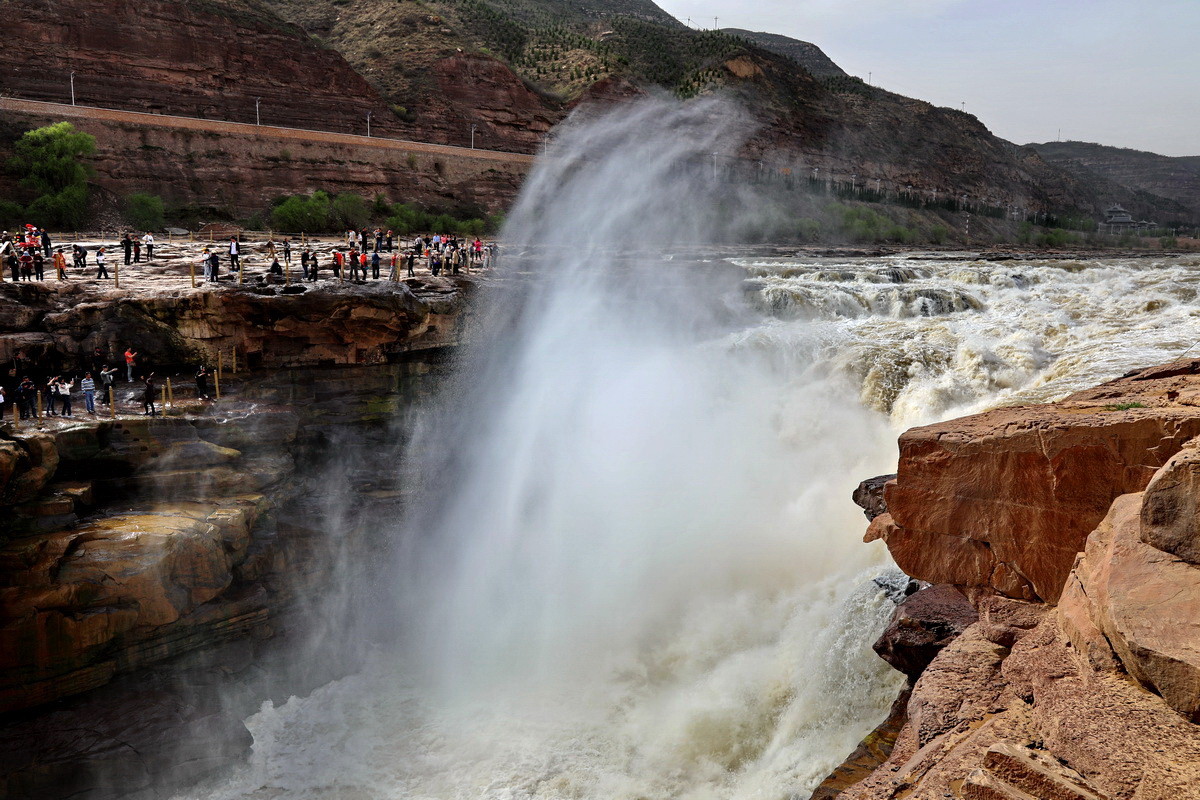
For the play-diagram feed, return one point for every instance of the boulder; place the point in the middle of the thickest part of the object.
(1003, 501)
(1170, 518)
(869, 495)
(922, 626)
(1147, 604)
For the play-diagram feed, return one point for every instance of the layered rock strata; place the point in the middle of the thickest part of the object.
(191, 541)
(1078, 681)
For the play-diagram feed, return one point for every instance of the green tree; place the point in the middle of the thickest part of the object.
(145, 211)
(48, 162)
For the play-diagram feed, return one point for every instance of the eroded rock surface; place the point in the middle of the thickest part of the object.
(1003, 501)
(1097, 696)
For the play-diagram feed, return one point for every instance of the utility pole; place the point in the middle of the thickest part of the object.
(869, 75)
(473, 136)
(714, 23)
(72, 87)
(257, 118)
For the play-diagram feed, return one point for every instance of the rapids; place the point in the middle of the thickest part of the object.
(924, 338)
(633, 571)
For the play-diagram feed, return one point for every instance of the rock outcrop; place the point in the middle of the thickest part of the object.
(1087, 687)
(193, 540)
(1003, 501)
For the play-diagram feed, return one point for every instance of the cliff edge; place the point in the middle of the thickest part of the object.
(1074, 530)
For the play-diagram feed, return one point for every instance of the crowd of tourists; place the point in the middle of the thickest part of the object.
(24, 256)
(36, 389)
(365, 255)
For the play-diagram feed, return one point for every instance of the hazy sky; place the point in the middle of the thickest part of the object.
(1118, 72)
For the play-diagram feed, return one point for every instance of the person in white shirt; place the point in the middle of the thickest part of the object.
(234, 251)
(148, 241)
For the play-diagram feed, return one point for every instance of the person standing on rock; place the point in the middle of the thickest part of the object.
(101, 272)
(234, 253)
(89, 392)
(148, 397)
(130, 358)
(375, 264)
(378, 240)
(26, 397)
(80, 256)
(64, 395)
(287, 251)
(127, 243)
(52, 396)
(412, 262)
(26, 264)
(388, 241)
(14, 264)
(60, 264)
(202, 383)
(137, 250)
(46, 242)
(353, 259)
(214, 267)
(148, 241)
(304, 263)
(39, 265)
(107, 376)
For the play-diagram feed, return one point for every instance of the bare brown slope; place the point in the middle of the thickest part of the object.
(1138, 171)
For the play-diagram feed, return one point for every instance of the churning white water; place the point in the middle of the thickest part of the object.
(634, 571)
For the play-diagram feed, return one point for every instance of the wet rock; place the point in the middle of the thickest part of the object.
(869, 495)
(870, 753)
(922, 626)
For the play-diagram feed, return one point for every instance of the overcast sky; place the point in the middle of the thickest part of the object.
(1118, 72)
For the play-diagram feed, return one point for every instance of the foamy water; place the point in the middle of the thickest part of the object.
(925, 339)
(636, 573)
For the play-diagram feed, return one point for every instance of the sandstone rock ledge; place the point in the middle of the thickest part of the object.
(1074, 529)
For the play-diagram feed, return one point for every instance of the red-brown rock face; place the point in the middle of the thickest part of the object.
(1003, 501)
(210, 59)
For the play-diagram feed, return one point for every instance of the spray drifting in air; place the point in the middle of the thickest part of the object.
(631, 508)
(633, 570)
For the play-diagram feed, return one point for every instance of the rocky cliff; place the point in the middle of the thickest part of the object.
(200, 537)
(206, 59)
(1073, 529)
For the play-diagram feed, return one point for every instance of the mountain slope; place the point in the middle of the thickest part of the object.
(1174, 178)
(806, 54)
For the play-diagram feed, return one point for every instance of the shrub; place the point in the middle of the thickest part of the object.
(350, 210)
(808, 230)
(301, 214)
(145, 211)
(11, 213)
(65, 209)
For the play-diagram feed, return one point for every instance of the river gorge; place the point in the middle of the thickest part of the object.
(582, 528)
